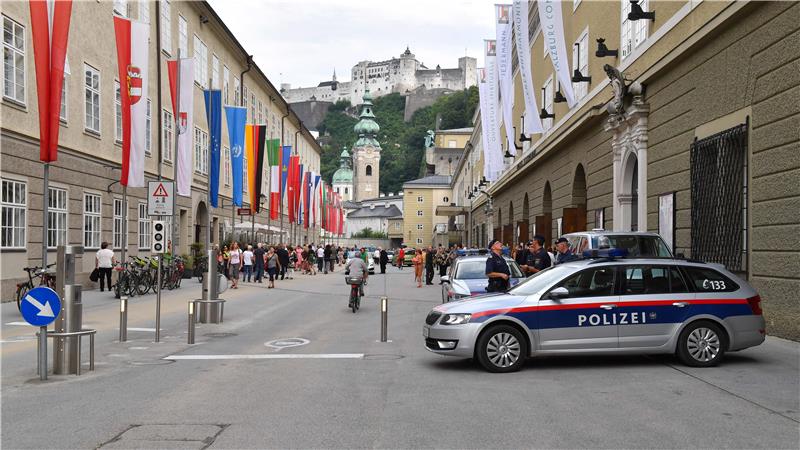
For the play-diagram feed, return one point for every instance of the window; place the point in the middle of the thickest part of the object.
(419, 213)
(420, 199)
(633, 33)
(121, 7)
(214, 72)
(446, 199)
(244, 174)
(346, 190)
(420, 227)
(244, 100)
(14, 206)
(419, 240)
(144, 11)
(167, 136)
(646, 280)
(236, 91)
(594, 282)
(226, 165)
(91, 221)
(183, 37)
(166, 28)
(580, 61)
(117, 113)
(144, 227)
(547, 102)
(200, 62)
(451, 143)
(56, 217)
(13, 61)
(369, 170)
(397, 226)
(252, 107)
(148, 127)
(92, 104)
(337, 190)
(200, 153)
(260, 112)
(226, 74)
(704, 279)
(62, 113)
(117, 225)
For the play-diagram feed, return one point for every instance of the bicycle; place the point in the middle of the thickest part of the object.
(126, 284)
(356, 291)
(46, 278)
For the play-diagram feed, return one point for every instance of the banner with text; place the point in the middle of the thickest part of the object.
(504, 73)
(533, 124)
(553, 34)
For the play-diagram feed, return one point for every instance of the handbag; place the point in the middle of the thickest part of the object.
(95, 275)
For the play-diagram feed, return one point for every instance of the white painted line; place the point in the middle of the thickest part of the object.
(19, 324)
(272, 356)
(138, 348)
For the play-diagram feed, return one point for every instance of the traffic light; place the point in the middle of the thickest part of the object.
(159, 237)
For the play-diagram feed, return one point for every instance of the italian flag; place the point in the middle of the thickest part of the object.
(132, 62)
(274, 159)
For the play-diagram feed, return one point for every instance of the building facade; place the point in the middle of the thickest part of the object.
(403, 74)
(421, 198)
(366, 154)
(85, 206)
(689, 131)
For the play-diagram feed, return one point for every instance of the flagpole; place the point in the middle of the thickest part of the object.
(176, 119)
(45, 207)
(208, 209)
(124, 224)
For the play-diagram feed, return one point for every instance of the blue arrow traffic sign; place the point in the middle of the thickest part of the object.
(40, 306)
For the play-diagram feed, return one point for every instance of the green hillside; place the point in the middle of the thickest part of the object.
(403, 143)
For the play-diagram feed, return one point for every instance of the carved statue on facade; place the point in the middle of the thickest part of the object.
(429, 139)
(617, 105)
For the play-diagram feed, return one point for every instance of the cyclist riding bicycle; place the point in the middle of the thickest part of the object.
(357, 268)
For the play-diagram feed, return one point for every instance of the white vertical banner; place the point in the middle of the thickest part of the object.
(137, 91)
(503, 34)
(482, 103)
(185, 121)
(533, 124)
(491, 122)
(553, 33)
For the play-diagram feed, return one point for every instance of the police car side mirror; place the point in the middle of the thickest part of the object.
(558, 293)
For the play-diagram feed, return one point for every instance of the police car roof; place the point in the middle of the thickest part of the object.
(596, 232)
(480, 257)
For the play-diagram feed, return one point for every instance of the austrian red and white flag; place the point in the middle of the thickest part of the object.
(184, 118)
(132, 59)
(49, 30)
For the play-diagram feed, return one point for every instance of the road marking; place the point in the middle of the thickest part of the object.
(19, 324)
(280, 344)
(138, 348)
(272, 356)
(153, 330)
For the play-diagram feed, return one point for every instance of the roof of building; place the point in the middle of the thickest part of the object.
(467, 130)
(343, 175)
(378, 211)
(347, 204)
(443, 180)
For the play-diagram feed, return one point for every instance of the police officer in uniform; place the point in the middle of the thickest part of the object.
(497, 269)
(563, 254)
(537, 257)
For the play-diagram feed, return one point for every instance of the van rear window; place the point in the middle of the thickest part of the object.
(705, 279)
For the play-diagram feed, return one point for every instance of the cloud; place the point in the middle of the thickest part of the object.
(301, 42)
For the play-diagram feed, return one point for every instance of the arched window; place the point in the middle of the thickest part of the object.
(345, 191)
(369, 171)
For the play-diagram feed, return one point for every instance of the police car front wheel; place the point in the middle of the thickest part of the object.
(502, 348)
(702, 344)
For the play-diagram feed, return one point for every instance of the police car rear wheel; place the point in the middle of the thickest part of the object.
(702, 344)
(502, 349)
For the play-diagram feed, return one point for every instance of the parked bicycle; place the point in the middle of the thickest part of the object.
(44, 278)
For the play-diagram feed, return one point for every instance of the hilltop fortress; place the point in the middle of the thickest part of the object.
(404, 75)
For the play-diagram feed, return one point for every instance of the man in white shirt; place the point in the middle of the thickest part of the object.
(376, 256)
(104, 262)
(247, 262)
(321, 259)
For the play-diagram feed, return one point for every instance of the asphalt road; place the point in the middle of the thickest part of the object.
(237, 392)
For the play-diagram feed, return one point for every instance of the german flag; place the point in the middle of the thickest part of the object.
(255, 138)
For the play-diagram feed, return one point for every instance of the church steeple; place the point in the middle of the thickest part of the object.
(334, 75)
(366, 128)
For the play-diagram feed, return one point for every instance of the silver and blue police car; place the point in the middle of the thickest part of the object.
(695, 310)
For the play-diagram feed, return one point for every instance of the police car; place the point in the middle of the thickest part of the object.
(695, 310)
(467, 277)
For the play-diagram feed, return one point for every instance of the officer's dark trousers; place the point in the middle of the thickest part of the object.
(383, 267)
(428, 274)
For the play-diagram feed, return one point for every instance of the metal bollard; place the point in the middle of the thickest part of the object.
(41, 363)
(191, 323)
(384, 318)
(123, 319)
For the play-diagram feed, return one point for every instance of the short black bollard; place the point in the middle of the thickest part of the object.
(123, 319)
(384, 318)
(191, 323)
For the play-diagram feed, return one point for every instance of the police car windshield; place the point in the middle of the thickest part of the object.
(541, 280)
(635, 245)
(476, 270)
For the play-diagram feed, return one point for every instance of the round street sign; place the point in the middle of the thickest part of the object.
(40, 306)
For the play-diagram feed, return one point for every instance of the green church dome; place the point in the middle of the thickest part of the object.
(344, 174)
(367, 127)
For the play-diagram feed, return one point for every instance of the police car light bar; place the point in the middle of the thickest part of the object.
(610, 253)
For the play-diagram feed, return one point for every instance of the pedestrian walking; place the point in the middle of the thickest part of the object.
(273, 266)
(376, 256)
(417, 262)
(441, 263)
(247, 263)
(383, 259)
(320, 259)
(429, 256)
(258, 261)
(401, 257)
(235, 262)
(340, 256)
(283, 259)
(298, 254)
(327, 253)
(104, 262)
(226, 261)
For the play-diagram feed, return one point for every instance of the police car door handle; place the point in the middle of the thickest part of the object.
(680, 304)
(608, 306)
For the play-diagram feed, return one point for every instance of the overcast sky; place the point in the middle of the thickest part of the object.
(302, 41)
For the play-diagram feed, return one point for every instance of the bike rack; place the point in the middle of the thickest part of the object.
(71, 335)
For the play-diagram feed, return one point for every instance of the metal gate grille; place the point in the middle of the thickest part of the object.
(718, 197)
